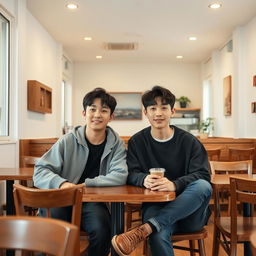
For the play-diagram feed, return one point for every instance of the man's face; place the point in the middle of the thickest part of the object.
(159, 115)
(97, 116)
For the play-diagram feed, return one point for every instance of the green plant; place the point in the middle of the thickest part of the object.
(206, 126)
(183, 99)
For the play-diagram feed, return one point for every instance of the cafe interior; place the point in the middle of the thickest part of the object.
(53, 52)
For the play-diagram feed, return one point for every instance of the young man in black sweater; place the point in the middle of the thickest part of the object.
(186, 172)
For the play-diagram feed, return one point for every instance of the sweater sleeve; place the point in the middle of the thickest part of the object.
(198, 167)
(48, 168)
(136, 175)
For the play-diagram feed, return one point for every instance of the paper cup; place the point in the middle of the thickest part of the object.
(157, 171)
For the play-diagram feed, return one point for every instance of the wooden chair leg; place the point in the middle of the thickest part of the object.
(216, 243)
(192, 247)
(233, 247)
(129, 219)
(146, 251)
(201, 247)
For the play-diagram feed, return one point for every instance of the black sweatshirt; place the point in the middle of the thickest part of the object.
(183, 157)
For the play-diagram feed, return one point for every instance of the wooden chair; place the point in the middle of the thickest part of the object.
(37, 234)
(192, 237)
(29, 161)
(239, 154)
(230, 168)
(214, 154)
(51, 198)
(229, 231)
(130, 209)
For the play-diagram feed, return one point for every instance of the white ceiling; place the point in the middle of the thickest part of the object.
(160, 27)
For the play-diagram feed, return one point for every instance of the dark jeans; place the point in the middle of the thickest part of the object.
(95, 220)
(189, 212)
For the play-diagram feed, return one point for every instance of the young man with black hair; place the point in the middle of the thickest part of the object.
(94, 155)
(186, 172)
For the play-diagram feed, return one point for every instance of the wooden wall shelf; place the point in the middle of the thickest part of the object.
(39, 97)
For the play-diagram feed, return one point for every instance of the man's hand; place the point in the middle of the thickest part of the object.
(163, 184)
(67, 185)
(156, 183)
(149, 180)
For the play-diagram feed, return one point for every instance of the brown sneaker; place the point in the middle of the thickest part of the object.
(127, 242)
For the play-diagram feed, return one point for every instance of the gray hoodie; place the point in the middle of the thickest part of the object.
(67, 158)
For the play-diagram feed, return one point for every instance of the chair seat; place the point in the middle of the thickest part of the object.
(84, 244)
(245, 227)
(190, 236)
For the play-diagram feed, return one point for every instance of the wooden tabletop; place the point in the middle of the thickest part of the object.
(125, 193)
(16, 173)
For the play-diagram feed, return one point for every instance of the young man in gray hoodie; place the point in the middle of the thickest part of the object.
(92, 154)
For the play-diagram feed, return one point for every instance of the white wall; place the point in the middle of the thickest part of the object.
(181, 79)
(9, 5)
(222, 67)
(36, 56)
(249, 71)
(8, 150)
(241, 65)
(40, 60)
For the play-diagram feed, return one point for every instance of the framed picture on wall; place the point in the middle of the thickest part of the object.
(128, 105)
(227, 93)
(254, 81)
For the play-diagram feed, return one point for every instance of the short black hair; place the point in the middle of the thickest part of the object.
(149, 97)
(100, 93)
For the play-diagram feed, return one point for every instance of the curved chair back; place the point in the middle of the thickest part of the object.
(52, 198)
(231, 167)
(49, 198)
(37, 234)
(239, 154)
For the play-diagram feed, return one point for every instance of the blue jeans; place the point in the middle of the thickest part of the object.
(95, 220)
(189, 212)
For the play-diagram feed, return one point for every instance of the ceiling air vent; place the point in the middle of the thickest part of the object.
(121, 46)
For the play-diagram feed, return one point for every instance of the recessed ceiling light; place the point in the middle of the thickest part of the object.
(192, 38)
(214, 5)
(179, 57)
(87, 38)
(72, 6)
(98, 57)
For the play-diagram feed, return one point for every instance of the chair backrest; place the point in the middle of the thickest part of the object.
(29, 161)
(49, 236)
(49, 198)
(239, 154)
(231, 167)
(244, 191)
(213, 154)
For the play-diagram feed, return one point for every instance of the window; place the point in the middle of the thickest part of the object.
(66, 90)
(207, 99)
(4, 75)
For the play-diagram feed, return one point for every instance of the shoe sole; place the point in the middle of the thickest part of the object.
(114, 243)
